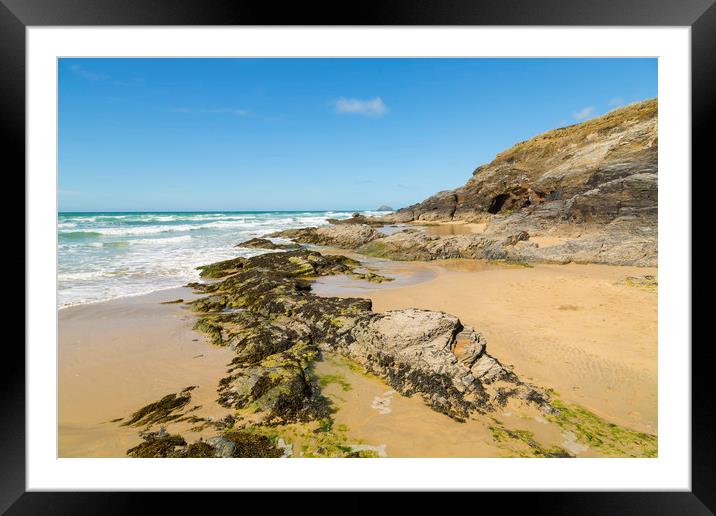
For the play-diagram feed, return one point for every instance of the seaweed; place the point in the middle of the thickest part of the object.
(156, 446)
(608, 438)
(161, 411)
(326, 380)
(251, 444)
(505, 438)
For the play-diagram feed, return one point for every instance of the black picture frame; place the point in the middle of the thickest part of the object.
(16, 15)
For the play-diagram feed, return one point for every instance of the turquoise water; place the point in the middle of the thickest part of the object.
(108, 255)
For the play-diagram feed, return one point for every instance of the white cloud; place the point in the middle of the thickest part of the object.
(91, 76)
(617, 102)
(373, 108)
(584, 113)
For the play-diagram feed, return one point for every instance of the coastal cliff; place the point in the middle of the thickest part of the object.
(593, 172)
(586, 193)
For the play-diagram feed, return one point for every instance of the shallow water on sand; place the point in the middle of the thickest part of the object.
(399, 274)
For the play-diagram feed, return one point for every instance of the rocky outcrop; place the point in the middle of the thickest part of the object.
(384, 207)
(598, 179)
(357, 218)
(230, 444)
(345, 236)
(624, 241)
(440, 206)
(414, 244)
(264, 310)
(265, 243)
(598, 170)
(415, 352)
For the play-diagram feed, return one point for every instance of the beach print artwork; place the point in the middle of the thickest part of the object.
(360, 258)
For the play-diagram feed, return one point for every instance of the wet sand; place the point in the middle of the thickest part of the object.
(117, 356)
(578, 329)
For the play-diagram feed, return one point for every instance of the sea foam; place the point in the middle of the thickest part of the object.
(104, 256)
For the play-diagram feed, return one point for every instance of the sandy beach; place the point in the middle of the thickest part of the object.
(579, 330)
(485, 290)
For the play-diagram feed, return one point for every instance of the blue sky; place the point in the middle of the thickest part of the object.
(269, 134)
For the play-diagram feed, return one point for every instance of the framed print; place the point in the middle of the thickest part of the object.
(450, 241)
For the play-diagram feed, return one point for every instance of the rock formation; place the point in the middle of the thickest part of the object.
(265, 243)
(264, 310)
(345, 236)
(594, 183)
(413, 244)
(357, 218)
(595, 171)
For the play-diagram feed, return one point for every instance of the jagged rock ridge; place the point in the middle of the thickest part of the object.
(264, 310)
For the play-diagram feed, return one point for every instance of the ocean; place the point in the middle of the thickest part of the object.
(104, 256)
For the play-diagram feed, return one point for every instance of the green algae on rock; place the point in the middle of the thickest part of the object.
(522, 443)
(157, 446)
(249, 444)
(325, 380)
(608, 438)
(344, 236)
(229, 444)
(265, 243)
(300, 263)
(162, 411)
(264, 310)
(357, 218)
(646, 282)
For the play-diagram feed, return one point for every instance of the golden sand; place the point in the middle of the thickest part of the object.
(581, 330)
